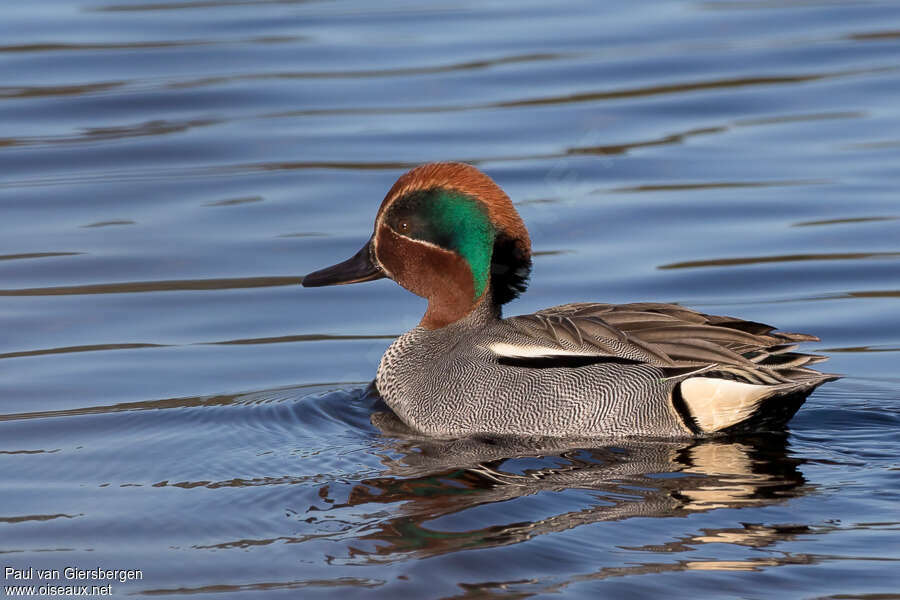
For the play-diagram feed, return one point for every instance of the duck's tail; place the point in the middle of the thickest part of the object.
(711, 405)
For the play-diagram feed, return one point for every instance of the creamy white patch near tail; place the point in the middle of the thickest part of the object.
(719, 403)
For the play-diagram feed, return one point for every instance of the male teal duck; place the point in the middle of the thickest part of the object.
(448, 233)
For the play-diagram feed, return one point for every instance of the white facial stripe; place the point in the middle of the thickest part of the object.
(415, 241)
(423, 242)
(375, 248)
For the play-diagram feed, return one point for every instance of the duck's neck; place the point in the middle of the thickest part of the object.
(445, 310)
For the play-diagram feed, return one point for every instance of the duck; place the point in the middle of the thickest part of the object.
(448, 233)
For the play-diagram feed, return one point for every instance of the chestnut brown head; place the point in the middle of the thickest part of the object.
(448, 233)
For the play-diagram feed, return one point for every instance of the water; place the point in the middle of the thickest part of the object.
(171, 401)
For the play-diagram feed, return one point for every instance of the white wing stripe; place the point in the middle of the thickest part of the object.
(517, 351)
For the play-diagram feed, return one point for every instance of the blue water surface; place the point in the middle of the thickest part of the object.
(172, 402)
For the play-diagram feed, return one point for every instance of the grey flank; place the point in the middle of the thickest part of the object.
(449, 383)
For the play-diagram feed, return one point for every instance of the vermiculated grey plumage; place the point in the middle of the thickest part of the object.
(617, 375)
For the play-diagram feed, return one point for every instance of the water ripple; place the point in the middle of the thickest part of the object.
(844, 221)
(13, 92)
(27, 255)
(267, 586)
(37, 518)
(151, 45)
(755, 260)
(133, 287)
(192, 4)
(471, 65)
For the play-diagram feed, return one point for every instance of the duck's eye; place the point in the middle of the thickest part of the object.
(404, 226)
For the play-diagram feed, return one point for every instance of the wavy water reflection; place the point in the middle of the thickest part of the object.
(134, 287)
(360, 74)
(845, 221)
(755, 260)
(428, 480)
(37, 255)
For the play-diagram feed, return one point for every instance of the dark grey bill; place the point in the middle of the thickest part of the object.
(360, 267)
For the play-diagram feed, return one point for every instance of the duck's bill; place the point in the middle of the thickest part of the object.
(358, 268)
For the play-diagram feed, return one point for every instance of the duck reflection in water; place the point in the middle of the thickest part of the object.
(426, 479)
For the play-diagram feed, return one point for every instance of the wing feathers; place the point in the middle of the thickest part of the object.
(666, 335)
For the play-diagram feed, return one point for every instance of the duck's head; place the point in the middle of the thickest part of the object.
(448, 233)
